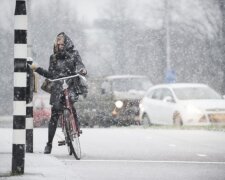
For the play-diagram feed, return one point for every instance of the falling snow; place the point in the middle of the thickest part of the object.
(121, 37)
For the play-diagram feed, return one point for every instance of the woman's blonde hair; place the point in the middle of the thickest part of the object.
(59, 38)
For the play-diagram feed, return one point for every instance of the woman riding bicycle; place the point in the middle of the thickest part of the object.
(65, 61)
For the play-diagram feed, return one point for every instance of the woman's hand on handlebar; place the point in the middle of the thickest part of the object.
(82, 71)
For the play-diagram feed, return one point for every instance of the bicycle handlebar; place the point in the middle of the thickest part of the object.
(64, 78)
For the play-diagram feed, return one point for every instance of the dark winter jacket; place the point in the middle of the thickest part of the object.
(62, 65)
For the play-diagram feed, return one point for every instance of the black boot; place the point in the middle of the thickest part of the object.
(48, 148)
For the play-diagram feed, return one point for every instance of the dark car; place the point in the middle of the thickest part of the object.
(113, 100)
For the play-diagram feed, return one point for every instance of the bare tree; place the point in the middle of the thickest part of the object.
(54, 19)
(122, 33)
(194, 35)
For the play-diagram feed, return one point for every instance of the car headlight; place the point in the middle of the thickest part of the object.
(140, 106)
(119, 104)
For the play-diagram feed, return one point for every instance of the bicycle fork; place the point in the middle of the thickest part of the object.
(73, 127)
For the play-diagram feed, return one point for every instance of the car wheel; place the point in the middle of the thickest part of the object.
(146, 121)
(177, 120)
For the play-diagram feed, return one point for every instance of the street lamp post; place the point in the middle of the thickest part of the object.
(167, 19)
(170, 75)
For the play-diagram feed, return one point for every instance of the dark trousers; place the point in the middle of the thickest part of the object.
(52, 125)
(56, 113)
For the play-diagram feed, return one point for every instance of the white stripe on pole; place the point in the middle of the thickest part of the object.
(20, 79)
(20, 50)
(29, 123)
(19, 108)
(20, 22)
(19, 136)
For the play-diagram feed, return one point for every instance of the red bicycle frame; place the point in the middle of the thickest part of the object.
(69, 107)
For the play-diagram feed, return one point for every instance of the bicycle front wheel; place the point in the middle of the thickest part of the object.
(75, 146)
(72, 135)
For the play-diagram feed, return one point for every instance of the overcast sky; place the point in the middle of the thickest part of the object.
(86, 9)
(89, 9)
(145, 11)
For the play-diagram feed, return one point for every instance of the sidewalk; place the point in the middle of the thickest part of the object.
(37, 165)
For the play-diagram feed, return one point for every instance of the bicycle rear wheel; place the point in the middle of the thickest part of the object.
(72, 135)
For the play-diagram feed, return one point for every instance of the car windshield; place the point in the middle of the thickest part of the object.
(186, 93)
(139, 84)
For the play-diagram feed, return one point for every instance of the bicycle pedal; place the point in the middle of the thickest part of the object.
(61, 143)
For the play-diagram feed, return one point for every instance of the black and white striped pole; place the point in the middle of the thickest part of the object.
(20, 83)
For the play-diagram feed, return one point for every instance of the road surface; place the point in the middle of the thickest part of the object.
(143, 154)
(135, 153)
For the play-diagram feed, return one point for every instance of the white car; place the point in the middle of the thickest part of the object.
(182, 104)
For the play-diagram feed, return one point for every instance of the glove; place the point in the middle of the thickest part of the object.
(82, 71)
(34, 66)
